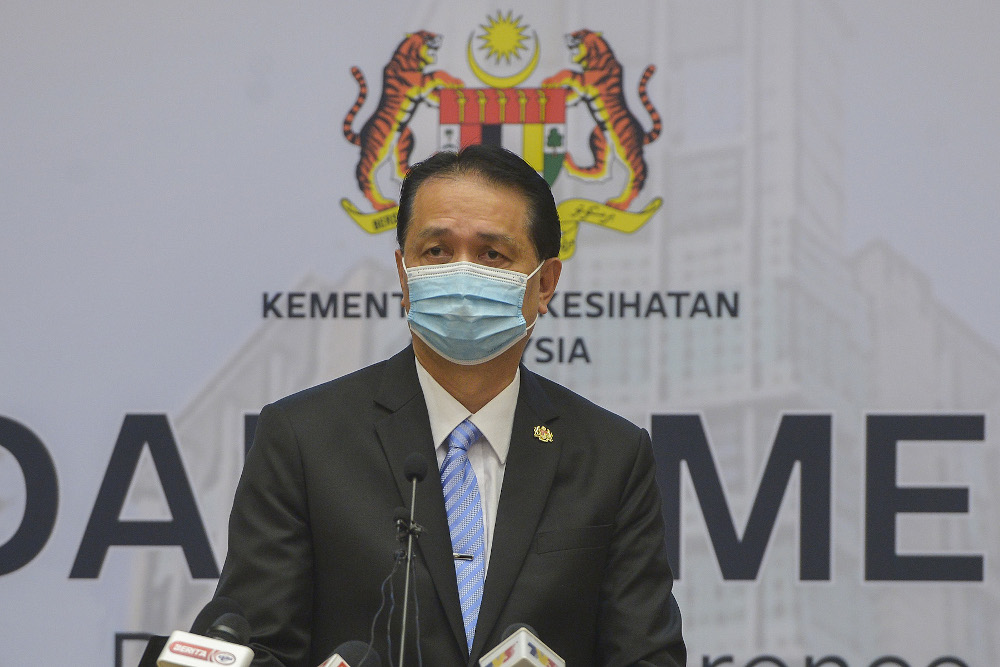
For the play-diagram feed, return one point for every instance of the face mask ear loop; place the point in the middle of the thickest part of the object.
(537, 269)
(403, 260)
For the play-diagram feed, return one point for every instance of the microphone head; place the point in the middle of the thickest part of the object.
(415, 467)
(514, 627)
(212, 611)
(358, 654)
(232, 628)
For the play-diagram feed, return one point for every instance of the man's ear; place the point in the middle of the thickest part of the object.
(548, 278)
(402, 279)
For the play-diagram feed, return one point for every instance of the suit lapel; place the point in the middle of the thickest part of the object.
(403, 430)
(530, 469)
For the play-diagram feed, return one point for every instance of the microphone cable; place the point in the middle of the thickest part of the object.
(416, 613)
(400, 557)
(378, 612)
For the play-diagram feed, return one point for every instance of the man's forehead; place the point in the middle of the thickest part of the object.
(442, 204)
(455, 181)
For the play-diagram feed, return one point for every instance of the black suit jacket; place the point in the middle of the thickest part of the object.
(578, 548)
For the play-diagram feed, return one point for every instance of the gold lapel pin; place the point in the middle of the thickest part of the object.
(543, 434)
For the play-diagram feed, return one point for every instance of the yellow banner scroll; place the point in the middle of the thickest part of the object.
(574, 211)
(373, 223)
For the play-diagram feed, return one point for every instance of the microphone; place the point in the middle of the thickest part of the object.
(230, 627)
(220, 642)
(353, 654)
(521, 648)
(213, 611)
(415, 469)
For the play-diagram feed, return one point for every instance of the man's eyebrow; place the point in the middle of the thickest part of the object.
(429, 232)
(489, 237)
(497, 238)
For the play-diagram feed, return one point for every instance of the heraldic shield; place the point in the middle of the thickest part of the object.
(528, 121)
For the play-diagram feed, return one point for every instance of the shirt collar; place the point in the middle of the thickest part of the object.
(495, 420)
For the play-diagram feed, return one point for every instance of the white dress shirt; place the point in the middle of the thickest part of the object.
(488, 455)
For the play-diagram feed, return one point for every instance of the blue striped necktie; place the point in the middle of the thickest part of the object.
(465, 520)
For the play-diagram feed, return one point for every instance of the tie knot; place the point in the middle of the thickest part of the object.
(463, 436)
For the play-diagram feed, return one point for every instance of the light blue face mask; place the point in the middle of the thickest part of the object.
(466, 312)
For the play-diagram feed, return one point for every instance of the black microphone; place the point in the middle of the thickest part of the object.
(415, 469)
(212, 612)
(230, 627)
(521, 647)
(219, 635)
(353, 654)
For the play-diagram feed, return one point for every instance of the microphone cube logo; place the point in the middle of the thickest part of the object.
(190, 650)
(202, 654)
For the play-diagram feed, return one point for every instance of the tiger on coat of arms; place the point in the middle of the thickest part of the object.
(599, 85)
(404, 86)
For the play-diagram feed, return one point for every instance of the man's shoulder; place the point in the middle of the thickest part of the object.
(579, 409)
(357, 388)
(347, 385)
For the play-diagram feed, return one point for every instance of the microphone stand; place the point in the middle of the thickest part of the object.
(416, 469)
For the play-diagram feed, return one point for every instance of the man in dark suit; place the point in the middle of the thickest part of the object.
(561, 527)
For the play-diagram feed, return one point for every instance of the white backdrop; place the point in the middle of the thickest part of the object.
(169, 168)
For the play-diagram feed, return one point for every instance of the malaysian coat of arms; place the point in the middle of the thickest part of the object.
(531, 122)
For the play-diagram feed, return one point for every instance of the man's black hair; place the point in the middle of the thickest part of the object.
(495, 166)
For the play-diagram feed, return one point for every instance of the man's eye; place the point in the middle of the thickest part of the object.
(493, 254)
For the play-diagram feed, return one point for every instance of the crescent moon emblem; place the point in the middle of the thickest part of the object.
(503, 81)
